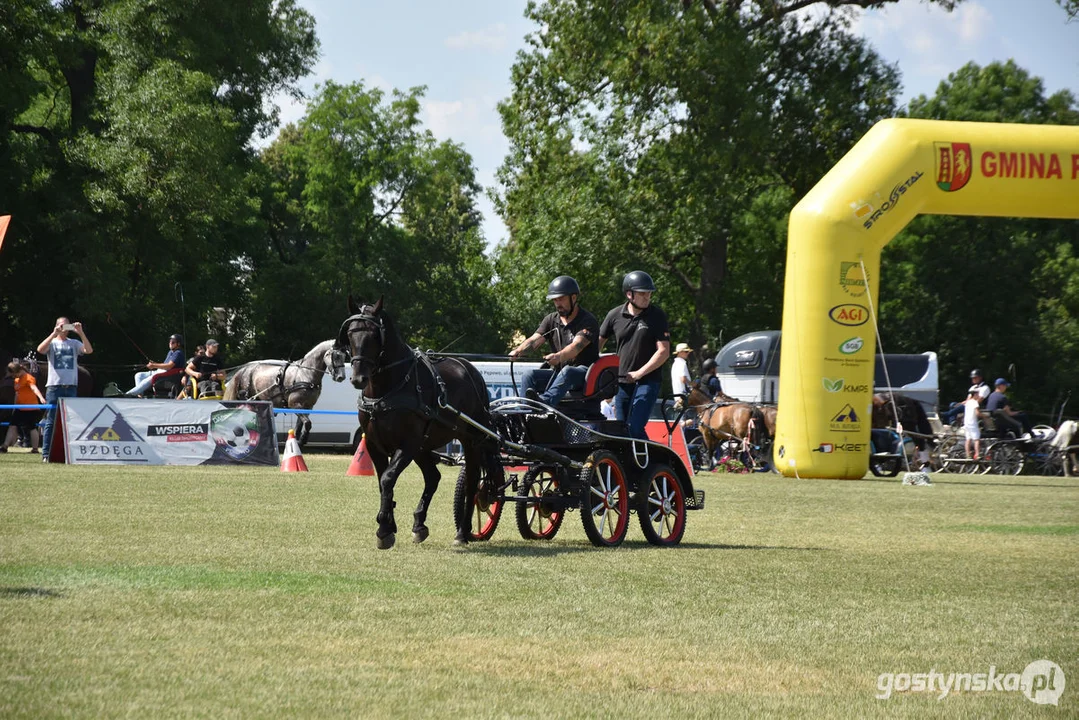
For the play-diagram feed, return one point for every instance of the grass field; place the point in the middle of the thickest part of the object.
(220, 592)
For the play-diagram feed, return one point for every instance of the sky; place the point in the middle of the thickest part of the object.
(463, 51)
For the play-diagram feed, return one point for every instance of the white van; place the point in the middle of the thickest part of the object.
(341, 430)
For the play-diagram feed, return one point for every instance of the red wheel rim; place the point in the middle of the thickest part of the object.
(666, 506)
(608, 501)
(542, 519)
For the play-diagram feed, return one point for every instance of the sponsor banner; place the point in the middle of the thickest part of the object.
(956, 163)
(849, 314)
(168, 432)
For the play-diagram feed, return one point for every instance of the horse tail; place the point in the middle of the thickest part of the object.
(757, 426)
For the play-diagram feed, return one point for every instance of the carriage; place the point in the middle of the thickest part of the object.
(557, 460)
(547, 461)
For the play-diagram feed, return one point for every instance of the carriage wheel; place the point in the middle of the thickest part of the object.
(1048, 460)
(487, 510)
(661, 507)
(956, 460)
(604, 500)
(1004, 459)
(536, 519)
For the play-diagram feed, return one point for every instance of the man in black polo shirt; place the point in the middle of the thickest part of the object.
(999, 406)
(208, 370)
(644, 344)
(572, 332)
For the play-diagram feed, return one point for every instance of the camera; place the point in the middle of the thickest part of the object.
(69, 327)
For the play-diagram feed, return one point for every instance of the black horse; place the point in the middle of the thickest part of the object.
(911, 415)
(409, 407)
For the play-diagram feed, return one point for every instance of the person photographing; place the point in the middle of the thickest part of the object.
(63, 352)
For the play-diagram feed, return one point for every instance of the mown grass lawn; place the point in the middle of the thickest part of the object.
(215, 592)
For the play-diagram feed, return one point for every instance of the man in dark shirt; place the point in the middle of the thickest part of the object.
(644, 344)
(174, 359)
(208, 370)
(1000, 408)
(572, 331)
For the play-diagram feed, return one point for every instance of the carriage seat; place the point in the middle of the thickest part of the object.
(167, 384)
(600, 383)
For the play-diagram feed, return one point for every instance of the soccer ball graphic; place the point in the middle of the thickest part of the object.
(238, 437)
(235, 430)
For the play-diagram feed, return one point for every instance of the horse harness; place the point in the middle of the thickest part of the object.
(405, 395)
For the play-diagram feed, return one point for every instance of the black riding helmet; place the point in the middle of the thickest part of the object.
(177, 337)
(638, 281)
(562, 285)
(708, 365)
(975, 373)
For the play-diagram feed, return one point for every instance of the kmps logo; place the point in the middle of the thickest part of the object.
(849, 347)
(839, 384)
(850, 315)
(954, 163)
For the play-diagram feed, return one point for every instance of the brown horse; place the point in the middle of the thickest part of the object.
(724, 419)
(911, 415)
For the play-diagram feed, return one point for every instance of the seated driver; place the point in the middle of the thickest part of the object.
(572, 331)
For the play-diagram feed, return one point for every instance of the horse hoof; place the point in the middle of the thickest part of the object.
(420, 535)
(385, 543)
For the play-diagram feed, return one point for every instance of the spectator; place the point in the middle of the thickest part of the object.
(999, 406)
(680, 378)
(173, 359)
(971, 411)
(709, 380)
(980, 390)
(26, 393)
(644, 343)
(571, 330)
(63, 353)
(208, 370)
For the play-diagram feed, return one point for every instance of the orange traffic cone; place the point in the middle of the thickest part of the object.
(361, 461)
(293, 460)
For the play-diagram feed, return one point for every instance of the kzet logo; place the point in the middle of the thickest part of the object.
(849, 314)
(954, 164)
(851, 346)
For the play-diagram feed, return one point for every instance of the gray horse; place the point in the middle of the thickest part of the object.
(295, 384)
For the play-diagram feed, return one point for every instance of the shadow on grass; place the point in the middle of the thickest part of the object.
(543, 549)
(13, 592)
(936, 481)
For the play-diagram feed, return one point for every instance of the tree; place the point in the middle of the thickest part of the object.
(646, 135)
(989, 292)
(128, 135)
(361, 199)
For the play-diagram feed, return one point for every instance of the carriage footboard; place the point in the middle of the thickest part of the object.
(695, 501)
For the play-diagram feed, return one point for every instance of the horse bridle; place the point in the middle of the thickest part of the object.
(343, 346)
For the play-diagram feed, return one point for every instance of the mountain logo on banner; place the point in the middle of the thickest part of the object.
(109, 426)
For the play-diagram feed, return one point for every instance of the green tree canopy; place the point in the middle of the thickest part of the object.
(674, 137)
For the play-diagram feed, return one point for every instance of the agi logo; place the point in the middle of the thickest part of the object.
(849, 314)
(954, 163)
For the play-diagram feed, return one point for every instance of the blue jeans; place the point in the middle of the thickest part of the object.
(53, 393)
(948, 416)
(633, 405)
(568, 378)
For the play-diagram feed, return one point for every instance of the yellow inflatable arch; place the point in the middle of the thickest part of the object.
(899, 169)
